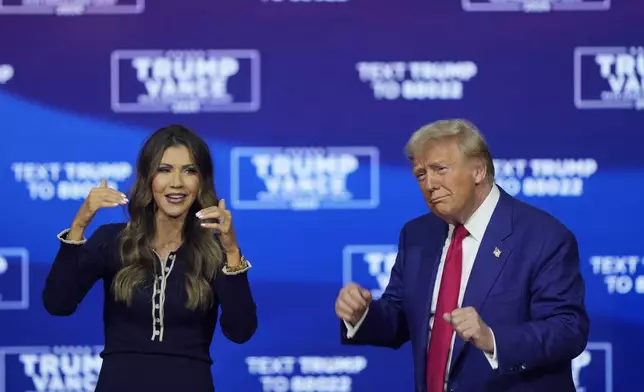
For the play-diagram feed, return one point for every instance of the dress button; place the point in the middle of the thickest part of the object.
(156, 306)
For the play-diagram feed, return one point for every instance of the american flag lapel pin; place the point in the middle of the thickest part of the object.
(497, 252)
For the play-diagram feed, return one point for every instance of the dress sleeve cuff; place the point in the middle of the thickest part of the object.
(245, 267)
(62, 236)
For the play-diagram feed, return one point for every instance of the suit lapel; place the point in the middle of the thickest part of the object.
(490, 259)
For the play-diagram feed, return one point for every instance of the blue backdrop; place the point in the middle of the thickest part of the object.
(307, 106)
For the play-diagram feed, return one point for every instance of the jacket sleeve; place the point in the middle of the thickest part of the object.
(560, 325)
(77, 266)
(384, 323)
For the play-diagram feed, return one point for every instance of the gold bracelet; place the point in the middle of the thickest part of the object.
(241, 266)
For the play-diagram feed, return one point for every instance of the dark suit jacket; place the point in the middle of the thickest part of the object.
(531, 295)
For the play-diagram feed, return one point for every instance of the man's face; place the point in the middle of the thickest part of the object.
(448, 180)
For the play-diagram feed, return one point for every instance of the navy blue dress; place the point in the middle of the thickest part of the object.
(156, 344)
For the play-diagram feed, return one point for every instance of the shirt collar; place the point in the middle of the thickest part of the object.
(477, 223)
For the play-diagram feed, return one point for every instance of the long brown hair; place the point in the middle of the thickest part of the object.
(204, 254)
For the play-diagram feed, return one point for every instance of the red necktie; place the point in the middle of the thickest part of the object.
(441, 336)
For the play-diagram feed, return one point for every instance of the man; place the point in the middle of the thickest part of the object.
(487, 288)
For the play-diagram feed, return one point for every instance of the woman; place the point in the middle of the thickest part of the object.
(165, 272)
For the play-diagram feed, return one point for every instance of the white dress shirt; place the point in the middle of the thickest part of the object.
(476, 226)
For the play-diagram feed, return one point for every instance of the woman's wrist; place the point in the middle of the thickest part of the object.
(233, 258)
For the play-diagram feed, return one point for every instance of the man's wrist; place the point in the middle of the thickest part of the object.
(490, 342)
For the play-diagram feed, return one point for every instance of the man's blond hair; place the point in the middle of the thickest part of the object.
(469, 139)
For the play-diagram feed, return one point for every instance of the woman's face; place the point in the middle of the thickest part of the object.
(176, 183)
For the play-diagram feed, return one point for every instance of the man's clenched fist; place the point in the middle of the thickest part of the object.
(352, 302)
(471, 328)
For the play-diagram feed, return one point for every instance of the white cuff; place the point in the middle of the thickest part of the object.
(237, 272)
(352, 330)
(491, 358)
(62, 236)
